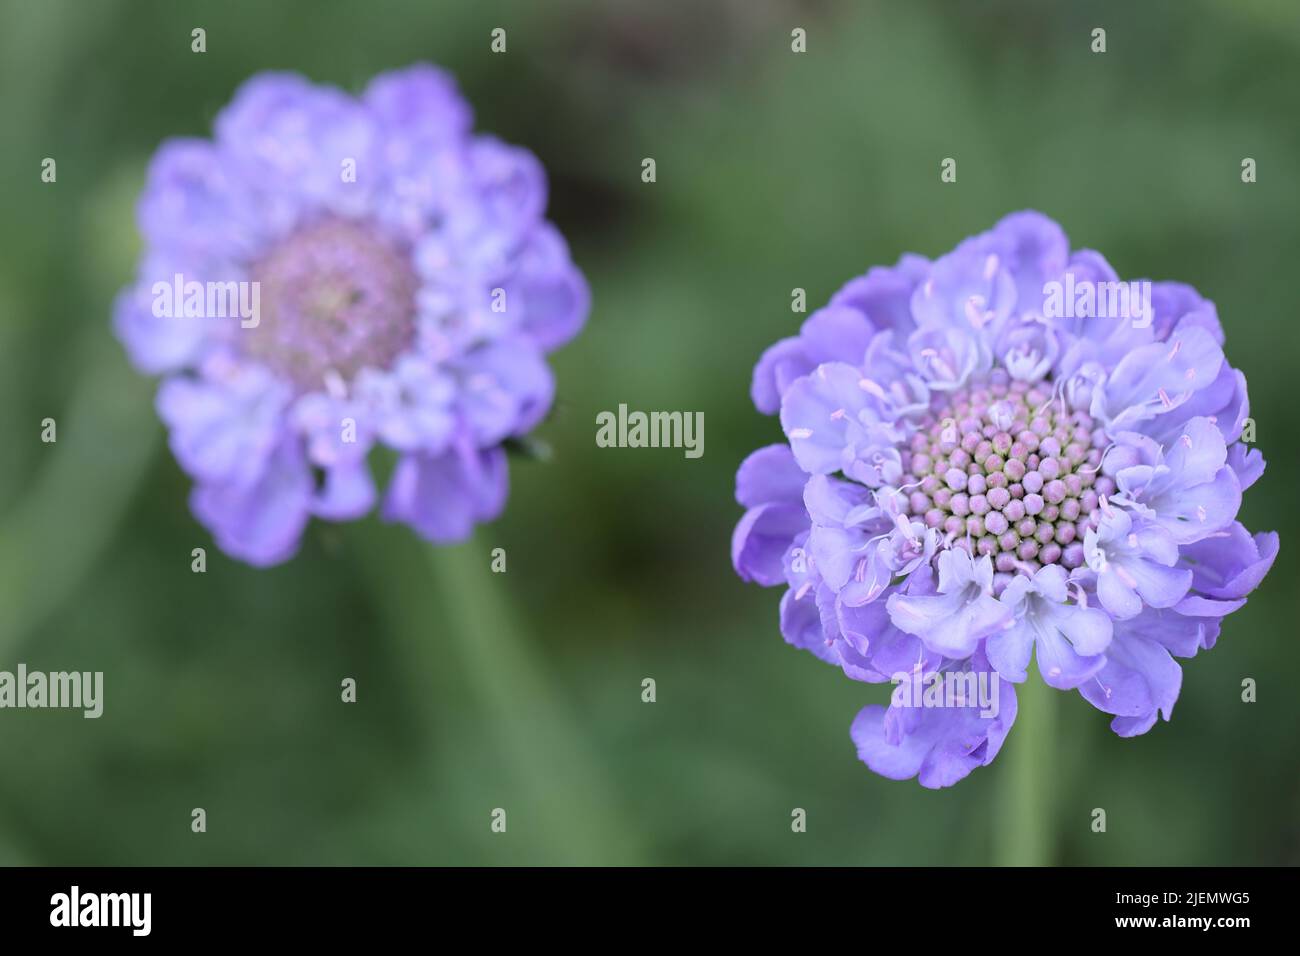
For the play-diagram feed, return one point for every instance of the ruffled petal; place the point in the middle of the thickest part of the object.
(157, 343)
(816, 414)
(770, 475)
(1158, 378)
(224, 427)
(443, 496)
(884, 294)
(779, 367)
(1139, 681)
(348, 492)
(801, 625)
(289, 141)
(1231, 565)
(547, 293)
(760, 541)
(260, 523)
(939, 745)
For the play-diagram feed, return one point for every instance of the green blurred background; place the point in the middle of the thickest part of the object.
(523, 690)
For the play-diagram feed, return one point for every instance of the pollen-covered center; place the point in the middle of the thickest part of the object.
(335, 296)
(1007, 470)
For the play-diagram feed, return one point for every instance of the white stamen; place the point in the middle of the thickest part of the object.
(334, 384)
(867, 385)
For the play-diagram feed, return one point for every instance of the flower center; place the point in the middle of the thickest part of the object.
(1005, 468)
(336, 296)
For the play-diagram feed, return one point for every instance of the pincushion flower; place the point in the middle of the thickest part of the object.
(979, 473)
(404, 290)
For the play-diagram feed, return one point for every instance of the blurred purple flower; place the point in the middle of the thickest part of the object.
(366, 272)
(991, 472)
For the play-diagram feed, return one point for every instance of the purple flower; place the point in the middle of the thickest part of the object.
(334, 273)
(1070, 639)
(961, 614)
(942, 741)
(979, 472)
(1132, 564)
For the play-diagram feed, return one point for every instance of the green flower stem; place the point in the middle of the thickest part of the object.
(1028, 768)
(51, 539)
(455, 613)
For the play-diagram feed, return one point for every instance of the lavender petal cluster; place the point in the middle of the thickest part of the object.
(975, 479)
(407, 289)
